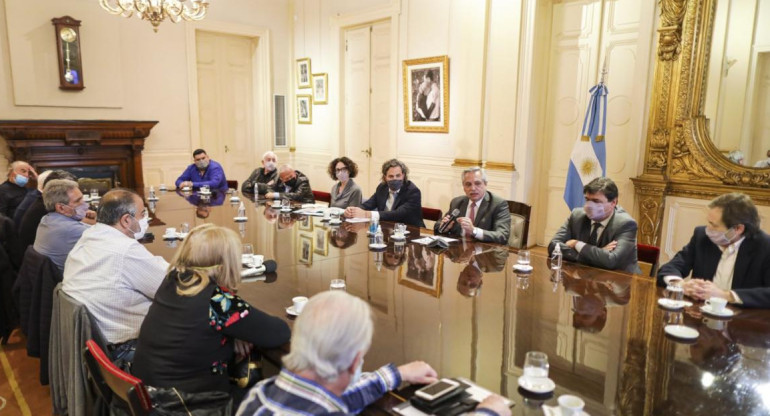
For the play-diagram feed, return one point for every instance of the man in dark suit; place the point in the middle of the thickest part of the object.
(395, 199)
(484, 216)
(600, 234)
(729, 258)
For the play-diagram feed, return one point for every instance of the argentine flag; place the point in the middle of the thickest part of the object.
(588, 159)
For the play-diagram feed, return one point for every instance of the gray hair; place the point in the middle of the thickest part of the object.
(13, 165)
(270, 152)
(57, 192)
(473, 170)
(333, 327)
(115, 204)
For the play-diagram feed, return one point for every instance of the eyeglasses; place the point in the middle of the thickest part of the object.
(340, 169)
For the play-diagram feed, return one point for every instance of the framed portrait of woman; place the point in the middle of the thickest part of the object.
(426, 94)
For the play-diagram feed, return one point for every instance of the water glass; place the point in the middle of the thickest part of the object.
(399, 230)
(94, 193)
(674, 292)
(285, 203)
(205, 189)
(536, 364)
(248, 250)
(184, 228)
(523, 257)
(522, 281)
(338, 284)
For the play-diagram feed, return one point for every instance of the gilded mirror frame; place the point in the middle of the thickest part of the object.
(680, 158)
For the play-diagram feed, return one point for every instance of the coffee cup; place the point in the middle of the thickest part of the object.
(717, 305)
(257, 260)
(170, 231)
(299, 303)
(327, 214)
(570, 405)
(716, 324)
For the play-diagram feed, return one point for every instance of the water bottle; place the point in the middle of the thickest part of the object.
(373, 227)
(378, 238)
(241, 210)
(152, 192)
(556, 258)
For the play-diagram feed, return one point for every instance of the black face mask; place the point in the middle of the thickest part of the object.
(395, 184)
(291, 182)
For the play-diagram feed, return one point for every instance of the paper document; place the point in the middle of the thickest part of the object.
(435, 241)
(357, 219)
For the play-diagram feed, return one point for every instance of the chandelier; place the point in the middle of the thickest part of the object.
(157, 11)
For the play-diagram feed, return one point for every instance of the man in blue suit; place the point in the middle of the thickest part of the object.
(396, 199)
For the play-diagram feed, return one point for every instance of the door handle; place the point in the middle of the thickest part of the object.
(227, 149)
(368, 152)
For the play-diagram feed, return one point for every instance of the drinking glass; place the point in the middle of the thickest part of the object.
(334, 217)
(338, 284)
(184, 228)
(536, 364)
(94, 193)
(674, 292)
(522, 281)
(399, 230)
(205, 189)
(523, 257)
(248, 250)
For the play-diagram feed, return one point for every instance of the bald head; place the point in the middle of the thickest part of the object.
(19, 172)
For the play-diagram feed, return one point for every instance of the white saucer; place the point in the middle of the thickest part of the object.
(169, 236)
(672, 304)
(95, 198)
(153, 198)
(290, 310)
(556, 411)
(681, 331)
(726, 312)
(539, 385)
(338, 222)
(285, 209)
(394, 237)
(204, 193)
(181, 236)
(377, 246)
(234, 199)
(240, 219)
(523, 267)
(186, 188)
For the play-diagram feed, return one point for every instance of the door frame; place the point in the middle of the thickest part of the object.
(262, 94)
(339, 25)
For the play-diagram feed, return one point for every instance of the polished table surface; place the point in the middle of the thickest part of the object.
(468, 314)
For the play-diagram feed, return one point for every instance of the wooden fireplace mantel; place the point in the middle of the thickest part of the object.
(52, 144)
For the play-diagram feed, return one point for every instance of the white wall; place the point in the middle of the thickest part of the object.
(152, 76)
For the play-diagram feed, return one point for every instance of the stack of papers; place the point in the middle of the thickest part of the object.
(435, 241)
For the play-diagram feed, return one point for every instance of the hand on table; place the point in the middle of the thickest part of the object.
(418, 372)
(496, 404)
(571, 243)
(355, 212)
(186, 184)
(703, 289)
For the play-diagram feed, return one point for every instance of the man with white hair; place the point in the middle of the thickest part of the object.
(13, 190)
(292, 184)
(322, 373)
(263, 178)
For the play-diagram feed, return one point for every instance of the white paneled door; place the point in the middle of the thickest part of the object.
(367, 100)
(226, 101)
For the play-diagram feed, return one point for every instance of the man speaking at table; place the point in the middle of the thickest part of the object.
(202, 172)
(480, 214)
(322, 372)
(599, 234)
(729, 258)
(396, 199)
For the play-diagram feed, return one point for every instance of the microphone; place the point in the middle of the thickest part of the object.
(270, 266)
(448, 225)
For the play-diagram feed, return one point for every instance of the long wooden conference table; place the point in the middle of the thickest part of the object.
(468, 314)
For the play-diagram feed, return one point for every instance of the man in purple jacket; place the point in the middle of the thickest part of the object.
(203, 172)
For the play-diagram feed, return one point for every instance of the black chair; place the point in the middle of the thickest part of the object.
(520, 214)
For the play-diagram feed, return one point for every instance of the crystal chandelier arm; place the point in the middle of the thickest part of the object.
(116, 8)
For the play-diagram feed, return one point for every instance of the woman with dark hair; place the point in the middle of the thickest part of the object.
(345, 193)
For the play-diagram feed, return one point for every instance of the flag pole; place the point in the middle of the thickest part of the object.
(604, 71)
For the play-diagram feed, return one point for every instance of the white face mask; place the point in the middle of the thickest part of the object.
(357, 375)
(270, 165)
(144, 224)
(594, 210)
(342, 176)
(720, 238)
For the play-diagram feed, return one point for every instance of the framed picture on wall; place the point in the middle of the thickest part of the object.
(304, 109)
(303, 73)
(305, 250)
(305, 223)
(320, 88)
(424, 270)
(426, 94)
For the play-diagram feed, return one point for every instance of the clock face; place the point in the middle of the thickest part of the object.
(68, 34)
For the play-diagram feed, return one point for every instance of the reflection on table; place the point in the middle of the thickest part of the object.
(467, 313)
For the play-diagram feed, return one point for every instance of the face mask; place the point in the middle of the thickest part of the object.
(291, 182)
(79, 212)
(342, 176)
(21, 180)
(357, 374)
(202, 164)
(719, 238)
(269, 166)
(395, 184)
(594, 211)
(144, 224)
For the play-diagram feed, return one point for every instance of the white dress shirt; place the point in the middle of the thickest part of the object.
(116, 278)
(580, 244)
(723, 277)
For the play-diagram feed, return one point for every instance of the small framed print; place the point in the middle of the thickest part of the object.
(320, 88)
(321, 241)
(305, 223)
(303, 73)
(305, 250)
(426, 94)
(304, 109)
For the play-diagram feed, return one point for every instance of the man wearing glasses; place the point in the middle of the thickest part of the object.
(112, 274)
